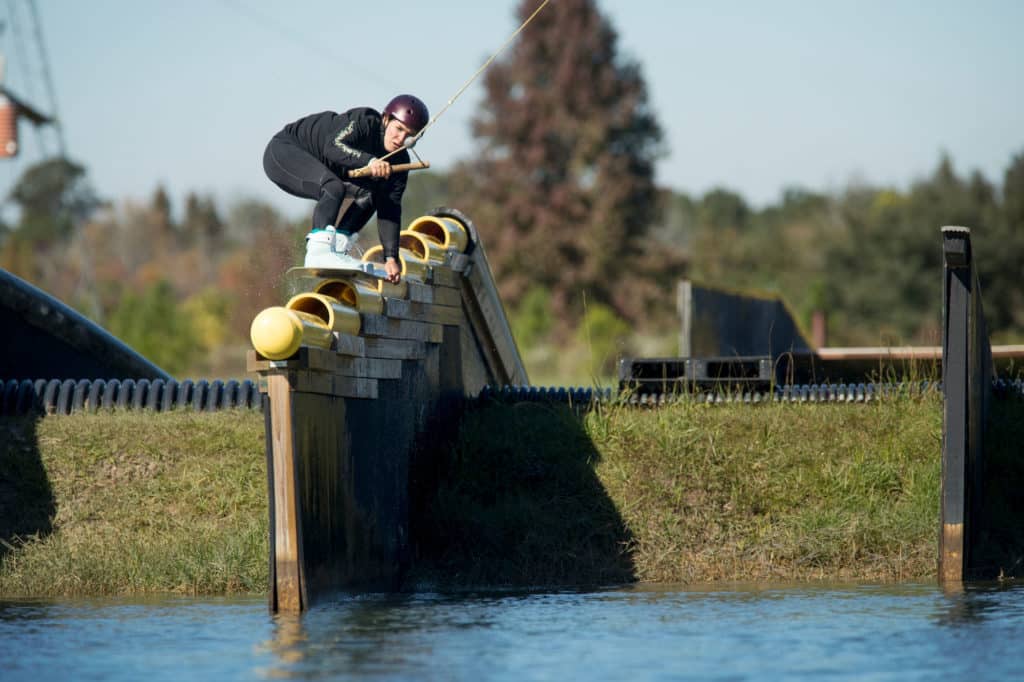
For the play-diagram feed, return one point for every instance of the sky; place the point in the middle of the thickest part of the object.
(755, 97)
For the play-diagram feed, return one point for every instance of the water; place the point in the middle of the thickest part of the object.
(902, 632)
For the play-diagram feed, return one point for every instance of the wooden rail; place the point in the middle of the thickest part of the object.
(344, 423)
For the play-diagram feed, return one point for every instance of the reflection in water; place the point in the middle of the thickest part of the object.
(973, 603)
(640, 632)
(287, 644)
(361, 635)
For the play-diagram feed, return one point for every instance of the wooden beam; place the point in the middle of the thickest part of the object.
(398, 349)
(370, 368)
(444, 276)
(378, 325)
(450, 296)
(284, 498)
(330, 383)
(907, 352)
(423, 312)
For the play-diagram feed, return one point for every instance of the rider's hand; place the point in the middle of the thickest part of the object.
(393, 270)
(379, 169)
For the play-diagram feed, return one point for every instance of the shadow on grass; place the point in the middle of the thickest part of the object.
(515, 501)
(27, 504)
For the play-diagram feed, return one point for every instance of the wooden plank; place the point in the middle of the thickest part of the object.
(483, 291)
(254, 362)
(334, 384)
(906, 352)
(449, 296)
(423, 312)
(458, 262)
(307, 357)
(418, 291)
(378, 325)
(354, 387)
(951, 557)
(398, 349)
(370, 368)
(444, 276)
(473, 363)
(477, 330)
(285, 498)
(349, 345)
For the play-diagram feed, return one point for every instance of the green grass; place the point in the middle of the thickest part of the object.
(690, 493)
(529, 494)
(172, 502)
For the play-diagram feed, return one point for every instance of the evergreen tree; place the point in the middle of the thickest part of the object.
(999, 253)
(202, 223)
(160, 207)
(53, 196)
(1013, 192)
(563, 185)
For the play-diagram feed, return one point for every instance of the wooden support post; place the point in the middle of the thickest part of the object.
(966, 385)
(287, 549)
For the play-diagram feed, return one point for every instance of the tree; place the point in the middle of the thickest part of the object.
(54, 196)
(563, 185)
(425, 191)
(153, 324)
(884, 272)
(721, 208)
(999, 252)
(202, 224)
(1013, 191)
(163, 221)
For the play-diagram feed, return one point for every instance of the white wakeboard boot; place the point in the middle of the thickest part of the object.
(329, 248)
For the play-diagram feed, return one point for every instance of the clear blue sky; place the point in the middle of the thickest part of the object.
(753, 96)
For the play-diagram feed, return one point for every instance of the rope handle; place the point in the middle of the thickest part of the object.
(395, 168)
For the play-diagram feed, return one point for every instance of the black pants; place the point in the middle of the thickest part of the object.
(301, 174)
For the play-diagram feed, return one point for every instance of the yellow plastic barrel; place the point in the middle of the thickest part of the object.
(422, 246)
(277, 333)
(412, 267)
(352, 293)
(448, 232)
(337, 316)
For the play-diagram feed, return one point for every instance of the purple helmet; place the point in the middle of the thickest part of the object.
(410, 110)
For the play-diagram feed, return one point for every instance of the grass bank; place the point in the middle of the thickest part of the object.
(689, 493)
(529, 494)
(131, 503)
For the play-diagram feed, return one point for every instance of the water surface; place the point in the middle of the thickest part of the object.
(855, 632)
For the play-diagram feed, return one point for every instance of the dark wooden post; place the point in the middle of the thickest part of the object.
(966, 384)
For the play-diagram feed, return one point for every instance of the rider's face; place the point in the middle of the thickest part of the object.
(395, 134)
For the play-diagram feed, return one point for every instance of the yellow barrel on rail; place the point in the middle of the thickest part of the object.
(412, 266)
(277, 333)
(425, 248)
(334, 314)
(353, 293)
(448, 232)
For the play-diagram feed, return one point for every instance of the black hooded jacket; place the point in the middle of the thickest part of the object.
(350, 140)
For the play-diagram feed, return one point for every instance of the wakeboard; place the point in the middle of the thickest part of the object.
(372, 270)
